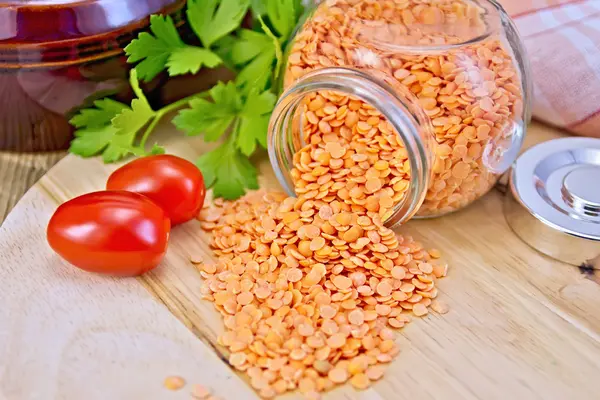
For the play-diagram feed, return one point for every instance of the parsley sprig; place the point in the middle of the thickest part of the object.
(236, 113)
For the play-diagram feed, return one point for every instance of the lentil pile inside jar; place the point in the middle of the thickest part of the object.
(450, 62)
(311, 287)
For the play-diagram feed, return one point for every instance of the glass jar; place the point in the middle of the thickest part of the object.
(439, 89)
(58, 55)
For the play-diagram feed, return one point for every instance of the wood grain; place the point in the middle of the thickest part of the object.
(18, 172)
(521, 326)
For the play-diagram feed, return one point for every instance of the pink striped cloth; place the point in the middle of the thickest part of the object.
(562, 38)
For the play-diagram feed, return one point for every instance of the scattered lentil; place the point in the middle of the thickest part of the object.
(174, 382)
(439, 307)
(196, 259)
(200, 392)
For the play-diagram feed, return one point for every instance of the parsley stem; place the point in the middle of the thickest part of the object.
(277, 45)
(236, 130)
(135, 86)
(158, 115)
(180, 103)
(149, 129)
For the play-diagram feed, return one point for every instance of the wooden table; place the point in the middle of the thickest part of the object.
(18, 172)
(520, 326)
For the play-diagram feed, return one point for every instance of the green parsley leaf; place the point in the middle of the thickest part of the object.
(166, 49)
(225, 93)
(222, 48)
(256, 74)
(141, 152)
(250, 45)
(211, 117)
(104, 111)
(249, 116)
(259, 8)
(134, 118)
(91, 141)
(119, 147)
(102, 139)
(95, 134)
(228, 171)
(256, 52)
(254, 121)
(156, 150)
(283, 15)
(190, 59)
(213, 19)
(258, 104)
(111, 127)
(154, 51)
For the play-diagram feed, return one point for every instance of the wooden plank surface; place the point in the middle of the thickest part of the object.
(521, 326)
(18, 172)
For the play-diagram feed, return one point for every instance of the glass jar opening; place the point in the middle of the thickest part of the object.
(288, 133)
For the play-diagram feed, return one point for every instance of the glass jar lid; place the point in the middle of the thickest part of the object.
(555, 199)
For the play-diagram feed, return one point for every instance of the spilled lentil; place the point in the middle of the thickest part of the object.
(471, 93)
(311, 287)
(174, 382)
(200, 392)
(311, 317)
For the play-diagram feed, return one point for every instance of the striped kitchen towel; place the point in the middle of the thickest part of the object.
(562, 38)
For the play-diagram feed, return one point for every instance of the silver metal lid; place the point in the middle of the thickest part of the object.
(553, 199)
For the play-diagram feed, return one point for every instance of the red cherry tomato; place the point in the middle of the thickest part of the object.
(111, 232)
(171, 182)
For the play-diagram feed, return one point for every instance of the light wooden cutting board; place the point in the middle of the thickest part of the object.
(521, 326)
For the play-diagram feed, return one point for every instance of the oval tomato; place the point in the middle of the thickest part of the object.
(110, 232)
(171, 182)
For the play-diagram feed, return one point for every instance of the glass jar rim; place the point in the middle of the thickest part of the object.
(377, 94)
